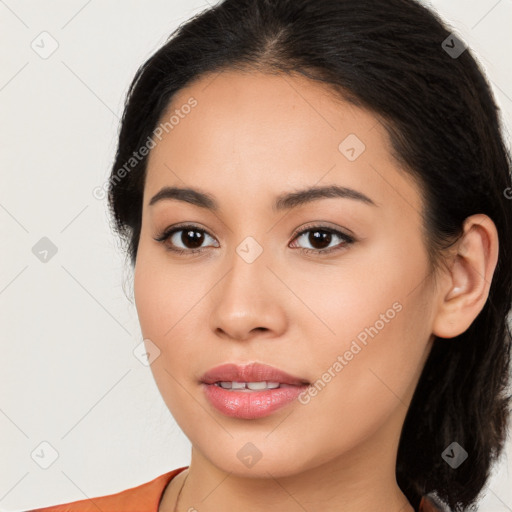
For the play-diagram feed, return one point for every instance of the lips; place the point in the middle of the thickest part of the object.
(253, 372)
(269, 390)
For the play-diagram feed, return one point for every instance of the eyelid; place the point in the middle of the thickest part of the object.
(171, 230)
(348, 239)
(298, 231)
(324, 225)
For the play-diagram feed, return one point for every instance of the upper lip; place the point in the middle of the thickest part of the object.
(252, 372)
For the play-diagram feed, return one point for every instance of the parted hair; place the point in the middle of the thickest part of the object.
(393, 58)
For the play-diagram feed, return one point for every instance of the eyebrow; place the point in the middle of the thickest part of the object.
(284, 201)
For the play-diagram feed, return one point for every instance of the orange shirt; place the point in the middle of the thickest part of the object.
(146, 498)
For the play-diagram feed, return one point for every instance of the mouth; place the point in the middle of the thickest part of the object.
(251, 386)
(251, 391)
(253, 376)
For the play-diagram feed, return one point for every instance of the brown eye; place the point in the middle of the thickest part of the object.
(320, 238)
(191, 238)
(184, 239)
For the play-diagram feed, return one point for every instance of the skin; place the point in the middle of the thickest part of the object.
(251, 137)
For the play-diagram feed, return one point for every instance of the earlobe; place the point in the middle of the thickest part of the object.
(468, 279)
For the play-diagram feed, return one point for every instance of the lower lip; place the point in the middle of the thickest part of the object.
(250, 405)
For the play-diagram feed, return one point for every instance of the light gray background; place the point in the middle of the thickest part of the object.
(68, 373)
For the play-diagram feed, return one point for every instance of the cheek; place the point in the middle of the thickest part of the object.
(163, 301)
(378, 320)
(169, 299)
(163, 293)
(346, 301)
(148, 293)
(361, 386)
(350, 293)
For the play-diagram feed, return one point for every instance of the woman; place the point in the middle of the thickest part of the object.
(315, 199)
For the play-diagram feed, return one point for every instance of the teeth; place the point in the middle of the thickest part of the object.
(257, 385)
(254, 386)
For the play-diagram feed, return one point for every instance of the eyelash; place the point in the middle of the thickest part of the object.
(347, 239)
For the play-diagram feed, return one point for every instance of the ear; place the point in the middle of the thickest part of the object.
(464, 287)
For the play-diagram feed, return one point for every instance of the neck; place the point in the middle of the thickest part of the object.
(358, 481)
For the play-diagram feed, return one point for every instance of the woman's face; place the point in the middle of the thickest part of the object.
(355, 322)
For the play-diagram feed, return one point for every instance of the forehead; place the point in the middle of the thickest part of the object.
(261, 134)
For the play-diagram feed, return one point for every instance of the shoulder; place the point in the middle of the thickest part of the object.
(142, 497)
(429, 503)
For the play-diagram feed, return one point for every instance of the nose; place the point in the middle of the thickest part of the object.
(249, 301)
